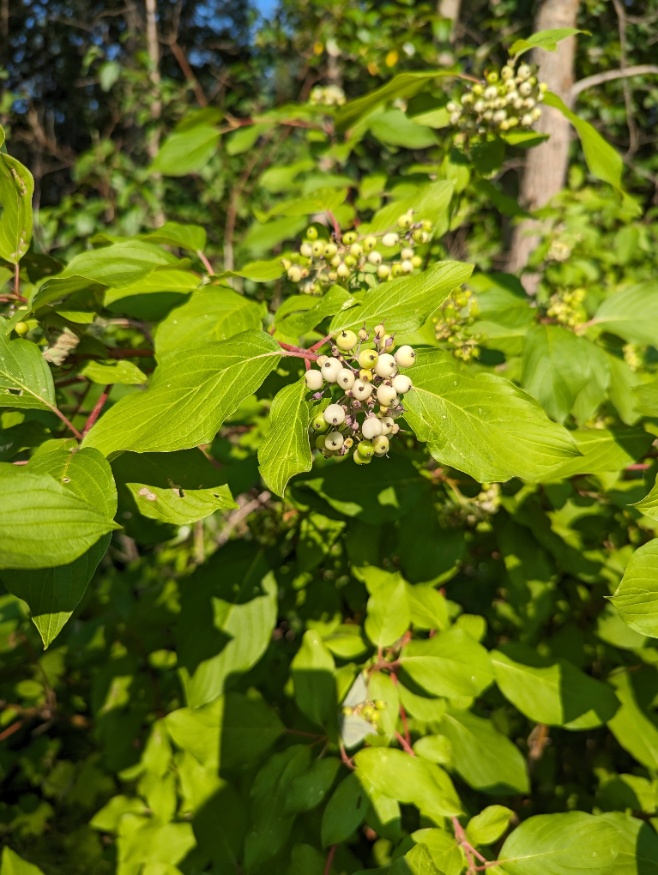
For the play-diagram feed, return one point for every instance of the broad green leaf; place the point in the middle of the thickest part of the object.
(12, 864)
(161, 280)
(210, 314)
(230, 732)
(56, 288)
(117, 265)
(317, 202)
(427, 607)
(561, 844)
(636, 597)
(631, 313)
(443, 848)
(544, 39)
(344, 812)
(632, 726)
(603, 450)
(186, 151)
(555, 693)
(190, 237)
(409, 780)
(25, 378)
(431, 202)
(177, 488)
(396, 129)
(649, 504)
(44, 523)
(258, 271)
(156, 843)
(124, 372)
(403, 304)
(308, 790)
(286, 449)
(489, 825)
(402, 85)
(190, 395)
(450, 664)
(312, 671)
(298, 323)
(637, 844)
(482, 424)
(418, 861)
(244, 138)
(228, 612)
(387, 612)
(557, 365)
(485, 758)
(647, 398)
(16, 190)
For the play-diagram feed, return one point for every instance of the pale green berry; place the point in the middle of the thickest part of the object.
(365, 450)
(318, 248)
(427, 226)
(320, 442)
(477, 88)
(356, 250)
(405, 220)
(524, 72)
(386, 395)
(450, 106)
(527, 120)
(395, 429)
(330, 250)
(383, 271)
(361, 391)
(536, 113)
(334, 414)
(454, 118)
(345, 378)
(313, 380)
(416, 261)
(385, 366)
(348, 443)
(366, 375)
(387, 424)
(21, 328)
(369, 243)
(334, 441)
(490, 93)
(332, 276)
(371, 428)
(312, 233)
(405, 356)
(346, 340)
(387, 342)
(368, 358)
(349, 238)
(335, 261)
(321, 359)
(407, 252)
(389, 240)
(401, 384)
(406, 266)
(319, 423)
(479, 106)
(363, 334)
(350, 261)
(294, 274)
(361, 460)
(506, 73)
(379, 329)
(330, 369)
(525, 89)
(499, 116)
(306, 250)
(492, 77)
(396, 270)
(380, 445)
(343, 271)
(375, 257)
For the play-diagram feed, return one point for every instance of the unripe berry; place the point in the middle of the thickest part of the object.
(350, 261)
(385, 366)
(306, 250)
(407, 252)
(330, 250)
(492, 77)
(294, 274)
(321, 359)
(330, 369)
(405, 357)
(389, 240)
(342, 271)
(490, 93)
(360, 460)
(527, 120)
(335, 261)
(524, 72)
(319, 423)
(477, 88)
(366, 375)
(427, 225)
(416, 261)
(378, 330)
(387, 424)
(405, 220)
(21, 328)
(320, 442)
(345, 379)
(387, 395)
(396, 270)
(383, 271)
(312, 233)
(375, 258)
(348, 443)
(318, 248)
(356, 250)
(334, 441)
(361, 391)
(387, 342)
(332, 276)
(506, 73)
(334, 414)
(363, 334)
(369, 243)
(401, 384)
(368, 358)
(349, 238)
(406, 266)
(395, 428)
(525, 89)
(380, 445)
(365, 449)
(313, 380)
(499, 116)
(346, 340)
(371, 428)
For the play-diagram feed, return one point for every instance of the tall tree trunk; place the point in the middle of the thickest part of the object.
(449, 9)
(153, 142)
(546, 166)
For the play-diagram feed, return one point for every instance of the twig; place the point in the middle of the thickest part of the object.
(405, 745)
(610, 75)
(237, 516)
(330, 860)
(628, 99)
(96, 412)
(205, 262)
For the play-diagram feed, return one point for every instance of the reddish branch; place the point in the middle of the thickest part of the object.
(96, 412)
(330, 859)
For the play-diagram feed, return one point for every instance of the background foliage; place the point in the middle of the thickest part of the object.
(222, 653)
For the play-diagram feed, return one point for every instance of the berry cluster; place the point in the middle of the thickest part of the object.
(453, 323)
(566, 307)
(349, 259)
(506, 101)
(363, 417)
(368, 710)
(327, 95)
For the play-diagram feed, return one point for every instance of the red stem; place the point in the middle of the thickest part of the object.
(205, 262)
(405, 723)
(319, 343)
(67, 422)
(96, 412)
(335, 225)
(405, 744)
(345, 758)
(330, 860)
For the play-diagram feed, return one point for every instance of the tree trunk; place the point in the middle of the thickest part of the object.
(546, 166)
(449, 9)
(153, 141)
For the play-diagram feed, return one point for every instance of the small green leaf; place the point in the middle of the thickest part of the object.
(308, 790)
(123, 372)
(12, 864)
(632, 725)
(286, 448)
(344, 812)
(186, 151)
(190, 237)
(387, 612)
(636, 597)
(489, 825)
(544, 39)
(25, 378)
(397, 129)
(450, 664)
(312, 672)
(16, 190)
(117, 265)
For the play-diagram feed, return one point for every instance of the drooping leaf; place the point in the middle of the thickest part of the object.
(25, 378)
(631, 313)
(482, 424)
(12, 864)
(190, 395)
(186, 151)
(636, 597)
(286, 448)
(632, 725)
(16, 190)
(544, 39)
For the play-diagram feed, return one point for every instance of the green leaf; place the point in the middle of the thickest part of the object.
(603, 450)
(544, 39)
(344, 812)
(631, 313)
(190, 395)
(210, 314)
(190, 237)
(649, 504)
(124, 372)
(120, 264)
(286, 448)
(556, 844)
(482, 424)
(387, 612)
(307, 791)
(403, 304)
(555, 693)
(45, 523)
(228, 612)
(489, 825)
(312, 671)
(242, 140)
(12, 864)
(298, 324)
(443, 849)
(397, 129)
(186, 151)
(636, 597)
(230, 732)
(637, 844)
(485, 758)
(25, 378)
(417, 862)
(450, 664)
(632, 726)
(16, 190)
(258, 271)
(408, 779)
(431, 202)
(647, 398)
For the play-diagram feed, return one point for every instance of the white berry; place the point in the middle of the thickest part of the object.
(361, 391)
(334, 414)
(313, 380)
(386, 395)
(387, 424)
(401, 384)
(405, 356)
(345, 378)
(380, 445)
(371, 428)
(334, 440)
(385, 366)
(331, 369)
(389, 240)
